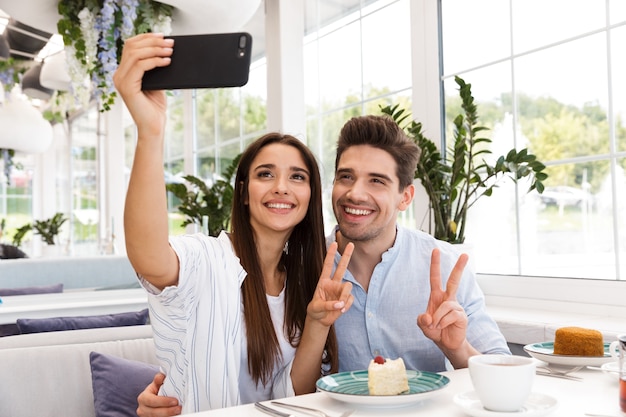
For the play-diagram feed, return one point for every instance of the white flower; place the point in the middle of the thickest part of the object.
(78, 74)
(162, 24)
(100, 29)
(90, 36)
(129, 14)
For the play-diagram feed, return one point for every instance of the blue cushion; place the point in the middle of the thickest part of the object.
(42, 289)
(117, 382)
(54, 324)
(9, 329)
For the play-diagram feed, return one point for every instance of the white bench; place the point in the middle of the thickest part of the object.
(49, 374)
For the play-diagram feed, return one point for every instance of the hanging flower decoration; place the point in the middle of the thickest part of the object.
(60, 105)
(94, 32)
(6, 155)
(11, 71)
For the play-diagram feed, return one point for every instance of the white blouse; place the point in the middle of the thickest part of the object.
(199, 330)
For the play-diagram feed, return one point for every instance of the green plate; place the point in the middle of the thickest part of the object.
(545, 352)
(352, 387)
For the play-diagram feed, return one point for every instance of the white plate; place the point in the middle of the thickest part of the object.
(536, 405)
(545, 352)
(351, 387)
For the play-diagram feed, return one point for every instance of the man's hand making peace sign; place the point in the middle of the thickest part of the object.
(445, 321)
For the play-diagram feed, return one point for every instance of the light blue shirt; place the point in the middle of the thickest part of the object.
(383, 321)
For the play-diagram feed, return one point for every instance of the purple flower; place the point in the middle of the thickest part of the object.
(129, 15)
(111, 22)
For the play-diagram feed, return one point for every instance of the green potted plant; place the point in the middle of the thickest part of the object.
(199, 201)
(48, 229)
(20, 233)
(456, 180)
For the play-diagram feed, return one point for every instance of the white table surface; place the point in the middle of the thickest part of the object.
(73, 303)
(597, 393)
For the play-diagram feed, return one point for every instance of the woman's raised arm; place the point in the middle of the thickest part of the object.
(145, 212)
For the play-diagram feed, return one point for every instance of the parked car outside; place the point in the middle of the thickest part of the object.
(564, 196)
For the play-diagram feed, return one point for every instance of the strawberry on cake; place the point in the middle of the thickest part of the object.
(387, 376)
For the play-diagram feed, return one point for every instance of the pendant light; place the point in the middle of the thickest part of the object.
(210, 16)
(5, 49)
(31, 86)
(54, 73)
(24, 128)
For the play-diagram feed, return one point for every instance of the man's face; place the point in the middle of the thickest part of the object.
(366, 197)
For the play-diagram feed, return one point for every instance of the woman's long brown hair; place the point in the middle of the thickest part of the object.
(302, 262)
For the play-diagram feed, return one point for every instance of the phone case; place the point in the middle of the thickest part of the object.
(204, 61)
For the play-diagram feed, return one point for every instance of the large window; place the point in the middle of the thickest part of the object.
(207, 129)
(16, 197)
(356, 60)
(85, 215)
(547, 76)
(69, 186)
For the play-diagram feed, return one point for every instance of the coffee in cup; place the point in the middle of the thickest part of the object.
(502, 382)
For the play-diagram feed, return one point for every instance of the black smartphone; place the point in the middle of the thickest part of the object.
(204, 61)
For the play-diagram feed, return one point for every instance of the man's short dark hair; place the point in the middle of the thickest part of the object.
(381, 132)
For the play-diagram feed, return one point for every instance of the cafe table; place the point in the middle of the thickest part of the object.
(595, 394)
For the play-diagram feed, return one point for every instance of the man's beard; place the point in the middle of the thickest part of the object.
(364, 234)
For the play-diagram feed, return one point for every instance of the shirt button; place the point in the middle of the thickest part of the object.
(370, 314)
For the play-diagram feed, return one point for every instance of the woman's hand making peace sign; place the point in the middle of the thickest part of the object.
(333, 296)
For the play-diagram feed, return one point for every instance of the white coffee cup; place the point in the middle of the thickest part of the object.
(614, 347)
(502, 382)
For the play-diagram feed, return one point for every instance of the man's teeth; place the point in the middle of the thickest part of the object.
(358, 212)
(279, 206)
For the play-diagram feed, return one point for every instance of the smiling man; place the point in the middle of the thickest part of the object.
(399, 275)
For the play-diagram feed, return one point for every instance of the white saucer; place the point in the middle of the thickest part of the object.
(536, 405)
(611, 369)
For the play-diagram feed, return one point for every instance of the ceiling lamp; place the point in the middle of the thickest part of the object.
(54, 73)
(25, 41)
(31, 86)
(189, 16)
(210, 16)
(5, 49)
(24, 128)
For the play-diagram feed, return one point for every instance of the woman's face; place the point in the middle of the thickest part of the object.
(279, 189)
